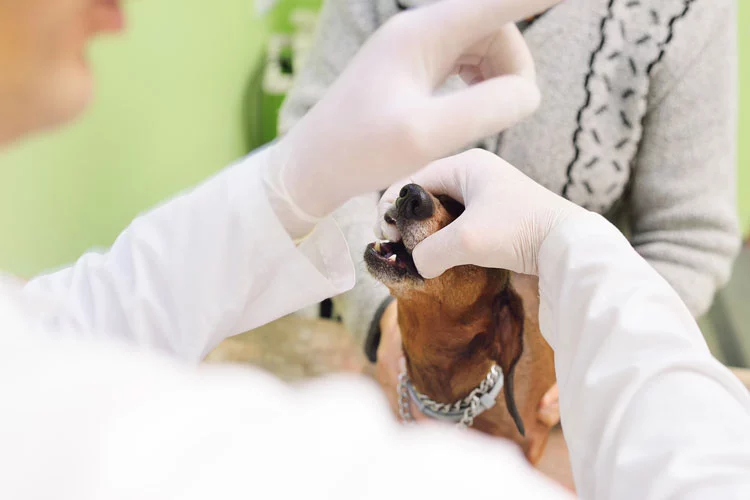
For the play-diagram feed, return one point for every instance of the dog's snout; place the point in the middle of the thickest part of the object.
(414, 203)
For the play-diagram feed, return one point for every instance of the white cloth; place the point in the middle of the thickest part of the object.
(88, 419)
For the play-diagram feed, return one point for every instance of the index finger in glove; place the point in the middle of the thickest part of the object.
(454, 244)
(445, 176)
(439, 177)
(442, 250)
(495, 105)
(506, 53)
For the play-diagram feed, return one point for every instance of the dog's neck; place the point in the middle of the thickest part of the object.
(448, 352)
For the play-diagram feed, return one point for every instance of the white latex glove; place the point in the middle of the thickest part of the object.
(507, 215)
(381, 120)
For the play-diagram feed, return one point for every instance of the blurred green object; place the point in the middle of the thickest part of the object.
(726, 327)
(291, 26)
(744, 122)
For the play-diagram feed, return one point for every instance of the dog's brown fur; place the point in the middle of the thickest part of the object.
(456, 326)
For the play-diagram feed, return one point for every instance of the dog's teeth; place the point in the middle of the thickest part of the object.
(377, 246)
(392, 258)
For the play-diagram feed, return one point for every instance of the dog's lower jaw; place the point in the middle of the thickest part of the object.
(395, 270)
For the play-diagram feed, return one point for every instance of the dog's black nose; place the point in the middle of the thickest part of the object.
(414, 203)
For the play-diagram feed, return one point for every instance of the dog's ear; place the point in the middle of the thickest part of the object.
(507, 328)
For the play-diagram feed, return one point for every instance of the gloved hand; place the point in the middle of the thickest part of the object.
(506, 220)
(381, 120)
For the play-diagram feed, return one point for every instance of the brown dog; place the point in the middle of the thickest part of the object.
(457, 326)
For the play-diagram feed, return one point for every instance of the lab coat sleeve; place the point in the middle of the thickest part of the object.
(647, 412)
(211, 263)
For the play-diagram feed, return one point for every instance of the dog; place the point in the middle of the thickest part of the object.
(457, 327)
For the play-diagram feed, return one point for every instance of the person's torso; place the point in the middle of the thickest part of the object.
(594, 61)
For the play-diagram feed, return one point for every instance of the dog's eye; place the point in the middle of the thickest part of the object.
(453, 207)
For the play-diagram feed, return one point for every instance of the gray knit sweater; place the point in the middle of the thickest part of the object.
(637, 122)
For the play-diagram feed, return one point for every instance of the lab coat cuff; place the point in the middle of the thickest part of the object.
(320, 259)
(327, 251)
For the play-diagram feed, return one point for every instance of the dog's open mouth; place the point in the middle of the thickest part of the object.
(394, 256)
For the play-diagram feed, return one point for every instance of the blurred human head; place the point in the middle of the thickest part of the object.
(44, 77)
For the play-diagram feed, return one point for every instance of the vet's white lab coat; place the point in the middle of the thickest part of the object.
(100, 398)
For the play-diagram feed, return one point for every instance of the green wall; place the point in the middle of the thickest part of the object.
(169, 112)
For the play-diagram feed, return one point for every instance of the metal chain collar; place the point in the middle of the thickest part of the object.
(404, 409)
(462, 412)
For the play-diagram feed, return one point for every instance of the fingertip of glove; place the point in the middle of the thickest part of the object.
(527, 94)
(425, 264)
(390, 233)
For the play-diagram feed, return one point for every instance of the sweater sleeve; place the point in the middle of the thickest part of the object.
(683, 199)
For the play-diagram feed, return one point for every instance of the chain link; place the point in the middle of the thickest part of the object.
(467, 420)
(404, 408)
(470, 405)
